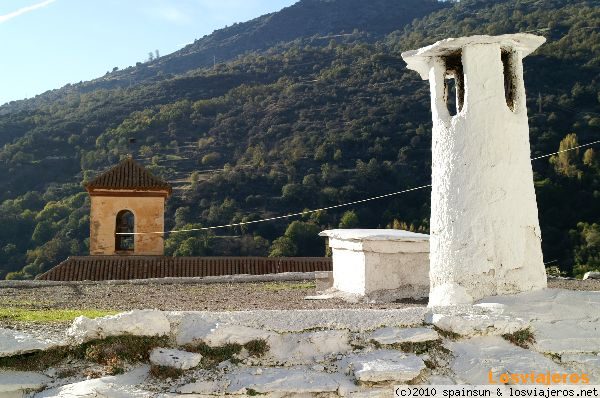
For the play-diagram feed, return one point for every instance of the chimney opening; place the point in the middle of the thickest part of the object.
(454, 90)
(510, 86)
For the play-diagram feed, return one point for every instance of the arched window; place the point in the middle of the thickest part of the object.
(125, 225)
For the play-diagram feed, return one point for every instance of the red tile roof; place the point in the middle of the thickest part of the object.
(128, 174)
(100, 268)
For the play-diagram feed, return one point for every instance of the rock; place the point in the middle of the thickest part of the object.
(475, 320)
(298, 380)
(226, 334)
(205, 387)
(320, 297)
(568, 336)
(284, 321)
(14, 343)
(371, 393)
(475, 357)
(13, 383)
(586, 363)
(128, 385)
(307, 348)
(174, 358)
(214, 334)
(563, 321)
(439, 380)
(383, 365)
(591, 275)
(137, 323)
(390, 335)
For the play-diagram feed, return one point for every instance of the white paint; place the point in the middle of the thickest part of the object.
(475, 321)
(355, 320)
(391, 335)
(174, 358)
(440, 380)
(383, 365)
(127, 385)
(288, 349)
(476, 357)
(15, 384)
(215, 334)
(370, 262)
(485, 235)
(298, 380)
(306, 348)
(199, 280)
(137, 323)
(585, 363)
(205, 387)
(13, 342)
(563, 321)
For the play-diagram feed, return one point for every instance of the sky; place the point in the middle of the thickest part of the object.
(45, 44)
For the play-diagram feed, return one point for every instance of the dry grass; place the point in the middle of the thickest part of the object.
(523, 338)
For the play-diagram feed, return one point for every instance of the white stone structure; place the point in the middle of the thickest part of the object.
(485, 234)
(380, 263)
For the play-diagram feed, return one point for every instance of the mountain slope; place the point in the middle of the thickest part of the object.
(302, 126)
(316, 21)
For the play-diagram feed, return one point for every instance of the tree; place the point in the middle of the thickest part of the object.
(565, 162)
(182, 215)
(193, 243)
(150, 56)
(283, 247)
(191, 247)
(349, 220)
(43, 232)
(589, 157)
(305, 236)
(587, 250)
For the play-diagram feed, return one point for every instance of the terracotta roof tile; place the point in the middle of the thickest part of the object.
(128, 174)
(99, 268)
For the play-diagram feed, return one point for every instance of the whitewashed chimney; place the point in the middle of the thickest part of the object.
(485, 235)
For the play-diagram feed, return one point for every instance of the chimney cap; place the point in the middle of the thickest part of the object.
(418, 60)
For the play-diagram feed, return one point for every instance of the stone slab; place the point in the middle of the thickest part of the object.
(383, 366)
(296, 380)
(474, 358)
(15, 383)
(13, 342)
(284, 321)
(174, 358)
(391, 335)
(128, 385)
(137, 323)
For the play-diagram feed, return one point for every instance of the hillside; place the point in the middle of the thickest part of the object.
(312, 21)
(303, 124)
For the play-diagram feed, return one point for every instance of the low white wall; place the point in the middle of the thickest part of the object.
(407, 274)
(380, 263)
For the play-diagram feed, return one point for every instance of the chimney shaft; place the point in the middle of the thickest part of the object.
(485, 235)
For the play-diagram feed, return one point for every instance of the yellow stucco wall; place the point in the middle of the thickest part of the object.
(149, 217)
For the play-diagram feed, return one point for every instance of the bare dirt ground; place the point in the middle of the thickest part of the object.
(173, 297)
(188, 297)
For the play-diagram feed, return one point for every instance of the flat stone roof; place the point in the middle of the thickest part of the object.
(375, 234)
(418, 60)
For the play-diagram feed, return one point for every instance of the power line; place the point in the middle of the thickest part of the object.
(568, 149)
(279, 217)
(321, 209)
